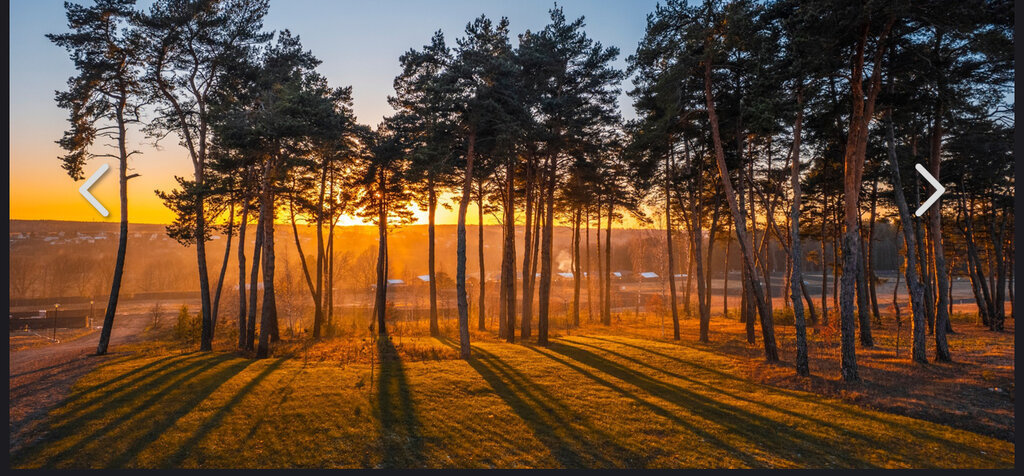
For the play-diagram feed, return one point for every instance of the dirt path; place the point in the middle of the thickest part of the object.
(40, 377)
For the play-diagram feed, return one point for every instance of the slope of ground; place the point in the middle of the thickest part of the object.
(586, 401)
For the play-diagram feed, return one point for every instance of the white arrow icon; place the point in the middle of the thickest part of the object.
(84, 189)
(939, 189)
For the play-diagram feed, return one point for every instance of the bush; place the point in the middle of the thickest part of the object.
(785, 316)
(187, 327)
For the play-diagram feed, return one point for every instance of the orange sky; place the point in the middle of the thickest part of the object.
(41, 190)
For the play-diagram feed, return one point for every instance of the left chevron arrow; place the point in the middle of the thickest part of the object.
(84, 189)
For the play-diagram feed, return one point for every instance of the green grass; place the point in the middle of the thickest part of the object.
(582, 402)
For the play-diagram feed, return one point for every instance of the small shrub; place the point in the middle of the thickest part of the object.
(155, 313)
(785, 316)
(187, 327)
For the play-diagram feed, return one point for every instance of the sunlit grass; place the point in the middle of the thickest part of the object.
(586, 401)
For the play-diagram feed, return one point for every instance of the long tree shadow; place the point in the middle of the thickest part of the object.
(722, 390)
(211, 423)
(133, 418)
(552, 422)
(773, 438)
(89, 405)
(656, 409)
(401, 441)
(849, 410)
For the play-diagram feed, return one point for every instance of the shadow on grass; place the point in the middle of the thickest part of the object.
(188, 446)
(849, 410)
(130, 417)
(570, 438)
(401, 442)
(774, 439)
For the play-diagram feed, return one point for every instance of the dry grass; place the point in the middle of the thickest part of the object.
(975, 392)
(586, 401)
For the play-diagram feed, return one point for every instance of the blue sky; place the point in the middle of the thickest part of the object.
(359, 43)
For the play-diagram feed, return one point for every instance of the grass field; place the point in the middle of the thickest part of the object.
(585, 401)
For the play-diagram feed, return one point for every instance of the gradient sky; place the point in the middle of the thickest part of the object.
(359, 43)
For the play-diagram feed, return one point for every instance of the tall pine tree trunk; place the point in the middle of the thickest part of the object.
(268, 322)
(941, 274)
(460, 266)
(431, 250)
(544, 293)
(381, 292)
(241, 271)
(796, 277)
(257, 252)
(482, 325)
(122, 239)
(224, 265)
(746, 246)
(671, 272)
(509, 255)
(606, 316)
(914, 287)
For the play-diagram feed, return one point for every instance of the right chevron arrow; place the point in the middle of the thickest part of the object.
(939, 190)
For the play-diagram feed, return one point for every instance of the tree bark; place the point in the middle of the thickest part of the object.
(224, 265)
(460, 267)
(122, 239)
(431, 250)
(481, 308)
(544, 293)
(796, 278)
(606, 317)
(269, 314)
(241, 271)
(671, 276)
(941, 274)
(509, 273)
(914, 287)
(746, 247)
(381, 292)
(250, 328)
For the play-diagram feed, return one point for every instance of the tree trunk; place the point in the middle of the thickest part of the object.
(380, 301)
(431, 250)
(999, 316)
(122, 239)
(480, 254)
(224, 265)
(269, 314)
(824, 263)
(746, 246)
(206, 335)
(600, 266)
(606, 317)
(705, 312)
(725, 282)
(577, 267)
(870, 246)
(544, 294)
(314, 289)
(914, 287)
(250, 328)
(509, 274)
(460, 267)
(796, 278)
(528, 235)
(853, 164)
(668, 246)
(241, 271)
(941, 274)
(590, 286)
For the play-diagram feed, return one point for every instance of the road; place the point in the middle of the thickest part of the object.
(40, 377)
